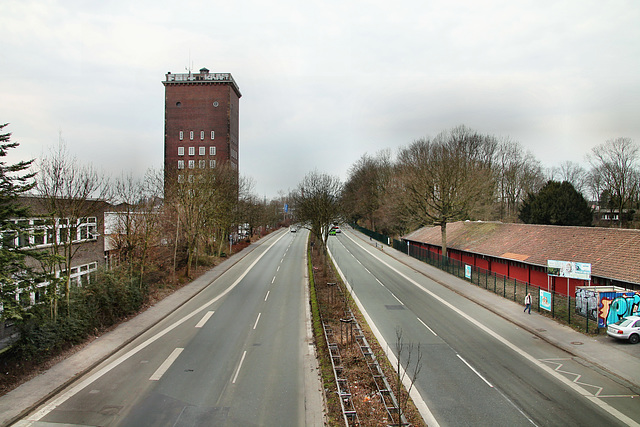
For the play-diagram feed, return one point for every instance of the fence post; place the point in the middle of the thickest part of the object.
(587, 315)
(553, 303)
(495, 282)
(504, 286)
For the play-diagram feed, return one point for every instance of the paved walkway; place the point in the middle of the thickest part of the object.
(22, 400)
(616, 357)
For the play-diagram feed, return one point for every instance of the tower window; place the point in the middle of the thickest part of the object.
(181, 135)
(212, 151)
(191, 135)
(201, 164)
(180, 151)
(212, 164)
(192, 151)
(192, 164)
(180, 164)
(213, 134)
(202, 150)
(201, 135)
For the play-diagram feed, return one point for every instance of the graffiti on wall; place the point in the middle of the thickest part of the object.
(615, 307)
(587, 303)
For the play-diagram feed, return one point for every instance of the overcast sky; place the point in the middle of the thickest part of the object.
(322, 83)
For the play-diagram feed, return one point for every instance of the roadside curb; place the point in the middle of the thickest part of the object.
(28, 396)
(610, 360)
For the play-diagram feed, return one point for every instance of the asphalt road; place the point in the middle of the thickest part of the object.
(233, 355)
(476, 368)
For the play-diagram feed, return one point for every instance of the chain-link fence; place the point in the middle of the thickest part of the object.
(554, 305)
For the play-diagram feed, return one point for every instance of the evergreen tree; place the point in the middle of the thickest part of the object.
(14, 275)
(556, 204)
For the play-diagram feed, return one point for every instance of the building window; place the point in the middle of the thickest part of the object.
(201, 135)
(180, 164)
(212, 164)
(180, 151)
(181, 135)
(192, 151)
(191, 135)
(213, 134)
(212, 151)
(201, 164)
(180, 178)
(202, 150)
(192, 164)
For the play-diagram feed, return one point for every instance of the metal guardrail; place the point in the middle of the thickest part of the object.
(348, 410)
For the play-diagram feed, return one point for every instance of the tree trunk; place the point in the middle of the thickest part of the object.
(443, 231)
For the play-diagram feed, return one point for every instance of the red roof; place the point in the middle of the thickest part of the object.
(613, 253)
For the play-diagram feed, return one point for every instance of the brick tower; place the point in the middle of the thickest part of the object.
(201, 122)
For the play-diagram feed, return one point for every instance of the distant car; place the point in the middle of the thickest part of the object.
(332, 232)
(293, 229)
(626, 329)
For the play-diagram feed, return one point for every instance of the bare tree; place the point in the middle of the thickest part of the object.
(364, 191)
(518, 173)
(317, 204)
(616, 164)
(412, 353)
(135, 223)
(444, 179)
(71, 194)
(204, 209)
(571, 172)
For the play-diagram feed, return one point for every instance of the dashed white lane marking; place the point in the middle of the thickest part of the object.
(256, 324)
(166, 364)
(398, 299)
(425, 325)
(53, 404)
(476, 372)
(273, 280)
(267, 295)
(561, 378)
(204, 319)
(235, 377)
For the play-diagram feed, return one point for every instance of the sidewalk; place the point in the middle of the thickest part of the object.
(618, 358)
(22, 400)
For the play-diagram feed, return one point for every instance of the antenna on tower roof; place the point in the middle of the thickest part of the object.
(189, 66)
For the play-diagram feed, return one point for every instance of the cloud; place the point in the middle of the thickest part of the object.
(322, 83)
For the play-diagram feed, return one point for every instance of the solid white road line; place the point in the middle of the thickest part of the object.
(576, 388)
(166, 364)
(53, 404)
(235, 377)
(204, 319)
(421, 405)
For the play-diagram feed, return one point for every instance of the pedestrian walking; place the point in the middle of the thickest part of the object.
(527, 303)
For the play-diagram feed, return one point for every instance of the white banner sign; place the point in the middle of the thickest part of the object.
(572, 270)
